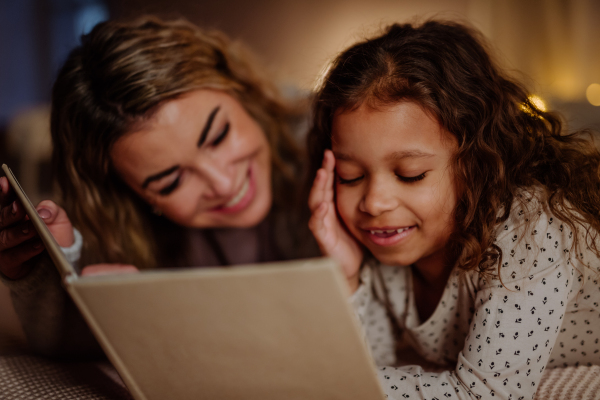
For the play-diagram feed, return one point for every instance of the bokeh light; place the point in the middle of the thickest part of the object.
(537, 102)
(593, 94)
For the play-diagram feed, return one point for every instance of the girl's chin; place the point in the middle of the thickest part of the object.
(392, 258)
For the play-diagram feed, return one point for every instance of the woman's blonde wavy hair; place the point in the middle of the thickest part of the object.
(117, 78)
(505, 143)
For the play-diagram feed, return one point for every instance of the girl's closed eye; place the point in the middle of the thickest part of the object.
(349, 181)
(410, 179)
(221, 136)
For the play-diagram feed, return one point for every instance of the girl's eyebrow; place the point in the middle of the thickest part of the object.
(155, 177)
(397, 155)
(207, 126)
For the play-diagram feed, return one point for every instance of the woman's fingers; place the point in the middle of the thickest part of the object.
(7, 195)
(11, 214)
(13, 261)
(16, 234)
(106, 269)
(57, 221)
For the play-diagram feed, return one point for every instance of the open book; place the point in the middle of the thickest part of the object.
(279, 330)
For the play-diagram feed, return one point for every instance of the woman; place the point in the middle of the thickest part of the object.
(169, 150)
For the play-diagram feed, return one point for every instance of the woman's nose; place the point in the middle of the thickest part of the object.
(218, 178)
(378, 199)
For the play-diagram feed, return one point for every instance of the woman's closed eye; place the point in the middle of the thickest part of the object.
(221, 136)
(169, 188)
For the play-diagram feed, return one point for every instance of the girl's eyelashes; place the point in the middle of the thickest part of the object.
(349, 181)
(221, 136)
(407, 179)
(410, 179)
(170, 188)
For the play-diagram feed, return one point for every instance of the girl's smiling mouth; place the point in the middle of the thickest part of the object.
(388, 236)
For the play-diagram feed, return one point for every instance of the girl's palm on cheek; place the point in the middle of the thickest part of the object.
(332, 237)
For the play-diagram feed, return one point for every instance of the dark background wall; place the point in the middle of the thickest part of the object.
(555, 43)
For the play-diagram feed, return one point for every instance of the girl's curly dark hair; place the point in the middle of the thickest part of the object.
(505, 143)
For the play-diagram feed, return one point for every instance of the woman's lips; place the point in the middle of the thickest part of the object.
(388, 236)
(242, 199)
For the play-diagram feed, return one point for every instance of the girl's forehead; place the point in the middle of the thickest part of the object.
(401, 128)
(403, 117)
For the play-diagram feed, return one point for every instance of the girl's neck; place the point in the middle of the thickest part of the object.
(429, 281)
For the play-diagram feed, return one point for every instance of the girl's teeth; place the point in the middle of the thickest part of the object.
(388, 231)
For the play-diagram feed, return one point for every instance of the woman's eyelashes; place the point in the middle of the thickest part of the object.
(169, 188)
(221, 136)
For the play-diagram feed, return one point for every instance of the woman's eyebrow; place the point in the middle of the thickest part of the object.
(158, 176)
(207, 126)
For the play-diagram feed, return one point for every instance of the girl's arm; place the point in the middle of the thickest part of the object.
(333, 239)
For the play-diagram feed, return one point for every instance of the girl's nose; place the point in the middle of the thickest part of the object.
(218, 178)
(378, 199)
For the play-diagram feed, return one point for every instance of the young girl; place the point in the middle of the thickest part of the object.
(477, 215)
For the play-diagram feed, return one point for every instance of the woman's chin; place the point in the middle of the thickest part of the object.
(250, 216)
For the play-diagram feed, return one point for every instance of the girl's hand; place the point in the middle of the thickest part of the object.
(106, 269)
(332, 237)
(19, 242)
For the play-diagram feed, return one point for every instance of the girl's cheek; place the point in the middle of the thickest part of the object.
(345, 206)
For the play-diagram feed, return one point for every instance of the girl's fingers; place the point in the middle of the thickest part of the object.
(317, 220)
(318, 227)
(329, 165)
(316, 195)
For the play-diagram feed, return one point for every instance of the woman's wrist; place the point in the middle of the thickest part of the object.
(73, 252)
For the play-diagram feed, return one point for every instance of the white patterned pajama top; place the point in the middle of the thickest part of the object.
(493, 341)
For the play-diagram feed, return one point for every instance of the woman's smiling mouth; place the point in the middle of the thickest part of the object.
(236, 199)
(242, 199)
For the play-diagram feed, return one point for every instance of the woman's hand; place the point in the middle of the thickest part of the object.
(332, 237)
(107, 269)
(19, 242)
